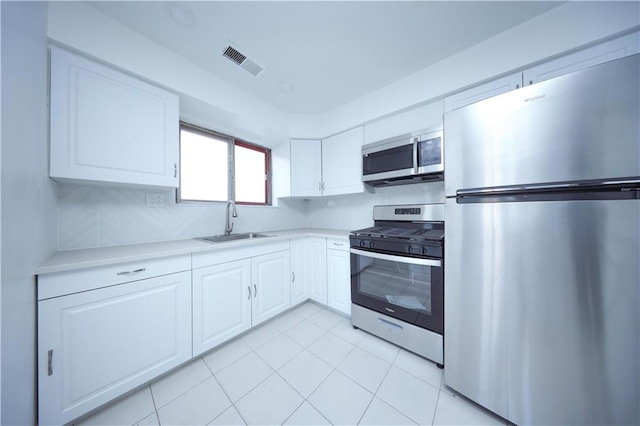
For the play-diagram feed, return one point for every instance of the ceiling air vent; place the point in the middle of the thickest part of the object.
(231, 52)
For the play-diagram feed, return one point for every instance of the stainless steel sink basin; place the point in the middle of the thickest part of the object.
(232, 237)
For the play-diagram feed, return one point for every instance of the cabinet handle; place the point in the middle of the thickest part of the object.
(293, 277)
(255, 290)
(50, 363)
(136, 271)
(338, 244)
(175, 170)
(249, 288)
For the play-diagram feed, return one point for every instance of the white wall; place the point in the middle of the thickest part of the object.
(28, 217)
(205, 96)
(560, 30)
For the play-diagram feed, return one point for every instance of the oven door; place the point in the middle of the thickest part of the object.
(407, 288)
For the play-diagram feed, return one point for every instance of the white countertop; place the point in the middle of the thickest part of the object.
(68, 260)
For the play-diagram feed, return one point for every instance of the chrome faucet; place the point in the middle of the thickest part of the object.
(228, 228)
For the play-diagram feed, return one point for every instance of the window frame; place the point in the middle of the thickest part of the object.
(267, 167)
(231, 182)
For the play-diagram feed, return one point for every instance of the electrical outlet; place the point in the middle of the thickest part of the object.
(155, 199)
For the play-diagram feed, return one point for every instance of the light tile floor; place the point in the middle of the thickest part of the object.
(306, 367)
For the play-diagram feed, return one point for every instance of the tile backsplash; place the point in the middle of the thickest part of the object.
(356, 211)
(90, 216)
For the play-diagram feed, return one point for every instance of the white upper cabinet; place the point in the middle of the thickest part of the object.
(306, 167)
(428, 116)
(483, 91)
(342, 163)
(594, 55)
(604, 52)
(332, 166)
(108, 127)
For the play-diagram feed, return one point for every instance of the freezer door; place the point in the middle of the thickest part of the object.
(541, 305)
(582, 126)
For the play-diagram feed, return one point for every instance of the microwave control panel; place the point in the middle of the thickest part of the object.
(430, 152)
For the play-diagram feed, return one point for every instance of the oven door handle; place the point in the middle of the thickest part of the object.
(401, 259)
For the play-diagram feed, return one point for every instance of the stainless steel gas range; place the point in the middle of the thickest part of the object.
(397, 282)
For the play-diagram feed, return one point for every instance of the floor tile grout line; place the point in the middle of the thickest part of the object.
(230, 400)
(375, 394)
(294, 411)
(335, 368)
(155, 407)
(181, 394)
(435, 409)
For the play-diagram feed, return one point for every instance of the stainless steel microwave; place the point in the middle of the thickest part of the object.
(411, 158)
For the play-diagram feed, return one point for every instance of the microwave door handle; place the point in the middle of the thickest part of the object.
(416, 166)
(400, 259)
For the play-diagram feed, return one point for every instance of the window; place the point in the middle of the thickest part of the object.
(216, 167)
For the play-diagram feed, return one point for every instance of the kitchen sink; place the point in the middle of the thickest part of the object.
(232, 237)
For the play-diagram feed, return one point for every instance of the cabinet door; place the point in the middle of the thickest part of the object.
(339, 280)
(306, 169)
(300, 254)
(342, 163)
(94, 346)
(107, 126)
(317, 269)
(604, 52)
(483, 91)
(221, 303)
(270, 274)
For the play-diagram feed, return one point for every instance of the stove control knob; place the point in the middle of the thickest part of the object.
(410, 249)
(361, 243)
(425, 251)
(370, 244)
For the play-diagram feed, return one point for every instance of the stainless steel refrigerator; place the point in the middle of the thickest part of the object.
(542, 249)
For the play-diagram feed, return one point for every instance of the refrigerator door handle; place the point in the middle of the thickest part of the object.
(624, 183)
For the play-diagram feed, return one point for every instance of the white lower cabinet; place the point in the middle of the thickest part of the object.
(299, 260)
(317, 269)
(221, 303)
(231, 297)
(338, 276)
(96, 345)
(309, 270)
(271, 286)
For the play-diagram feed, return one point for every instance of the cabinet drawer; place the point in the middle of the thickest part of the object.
(63, 283)
(338, 243)
(201, 260)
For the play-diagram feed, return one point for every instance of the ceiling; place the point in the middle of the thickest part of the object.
(318, 55)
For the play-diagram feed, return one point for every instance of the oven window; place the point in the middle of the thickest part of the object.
(413, 293)
(399, 158)
(400, 284)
